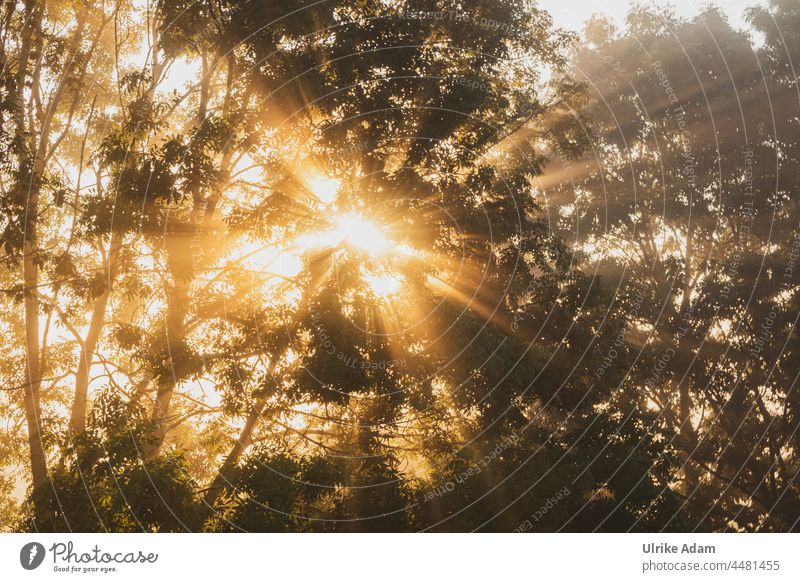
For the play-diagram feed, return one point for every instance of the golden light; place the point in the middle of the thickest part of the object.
(357, 233)
(361, 234)
(324, 189)
(383, 285)
(267, 260)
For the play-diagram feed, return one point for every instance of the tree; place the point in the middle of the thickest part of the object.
(421, 133)
(397, 266)
(678, 205)
(50, 66)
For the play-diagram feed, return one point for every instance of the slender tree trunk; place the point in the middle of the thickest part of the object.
(687, 440)
(32, 402)
(179, 260)
(224, 474)
(688, 437)
(30, 278)
(160, 416)
(77, 421)
(33, 158)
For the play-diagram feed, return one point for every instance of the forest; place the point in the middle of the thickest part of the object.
(398, 266)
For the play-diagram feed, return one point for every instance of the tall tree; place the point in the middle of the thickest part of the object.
(50, 66)
(680, 203)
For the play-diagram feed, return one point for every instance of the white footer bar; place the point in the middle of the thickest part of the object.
(398, 557)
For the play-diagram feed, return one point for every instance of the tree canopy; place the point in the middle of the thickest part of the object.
(407, 265)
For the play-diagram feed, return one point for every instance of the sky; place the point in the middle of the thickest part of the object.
(573, 13)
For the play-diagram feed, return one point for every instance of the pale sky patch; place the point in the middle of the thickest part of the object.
(573, 14)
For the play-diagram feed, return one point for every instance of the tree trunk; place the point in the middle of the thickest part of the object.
(224, 474)
(180, 260)
(175, 336)
(77, 421)
(33, 409)
(33, 158)
(180, 264)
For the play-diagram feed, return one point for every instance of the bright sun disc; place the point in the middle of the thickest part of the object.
(362, 234)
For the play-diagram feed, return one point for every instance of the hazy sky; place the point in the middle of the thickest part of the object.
(573, 13)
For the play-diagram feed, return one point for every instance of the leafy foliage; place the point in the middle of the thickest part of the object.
(397, 266)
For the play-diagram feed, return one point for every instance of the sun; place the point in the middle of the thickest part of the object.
(357, 237)
(361, 234)
(324, 189)
(371, 244)
(364, 236)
